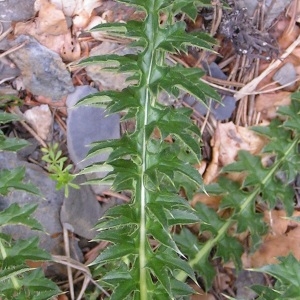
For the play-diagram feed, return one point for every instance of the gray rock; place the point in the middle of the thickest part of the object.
(81, 210)
(286, 74)
(43, 71)
(7, 70)
(272, 8)
(14, 10)
(87, 124)
(243, 282)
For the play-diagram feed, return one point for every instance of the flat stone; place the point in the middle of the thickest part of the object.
(7, 70)
(87, 124)
(81, 210)
(43, 71)
(14, 10)
(286, 74)
(40, 118)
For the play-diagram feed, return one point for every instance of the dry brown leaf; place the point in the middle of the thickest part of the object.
(288, 36)
(275, 246)
(50, 20)
(64, 44)
(71, 49)
(213, 169)
(201, 294)
(281, 240)
(95, 20)
(278, 222)
(234, 138)
(80, 11)
(267, 104)
(40, 119)
(209, 200)
(76, 7)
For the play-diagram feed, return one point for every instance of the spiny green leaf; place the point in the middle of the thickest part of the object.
(163, 236)
(209, 219)
(123, 289)
(15, 214)
(119, 234)
(288, 278)
(114, 223)
(24, 250)
(176, 39)
(6, 117)
(180, 216)
(171, 200)
(266, 293)
(187, 242)
(230, 249)
(115, 252)
(110, 61)
(188, 80)
(116, 276)
(34, 286)
(96, 167)
(159, 270)
(179, 288)
(174, 263)
(7, 273)
(13, 179)
(12, 144)
(156, 210)
(189, 7)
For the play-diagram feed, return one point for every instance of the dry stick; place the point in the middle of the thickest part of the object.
(17, 111)
(67, 261)
(13, 49)
(251, 86)
(5, 33)
(67, 227)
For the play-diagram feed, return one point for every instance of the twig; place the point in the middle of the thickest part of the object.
(251, 86)
(5, 33)
(13, 49)
(67, 227)
(67, 261)
(17, 111)
(117, 195)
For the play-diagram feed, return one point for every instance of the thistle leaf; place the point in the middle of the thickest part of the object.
(15, 214)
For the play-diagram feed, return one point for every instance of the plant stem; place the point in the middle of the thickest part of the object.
(203, 253)
(2, 250)
(147, 66)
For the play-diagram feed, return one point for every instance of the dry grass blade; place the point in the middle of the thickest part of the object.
(72, 263)
(251, 86)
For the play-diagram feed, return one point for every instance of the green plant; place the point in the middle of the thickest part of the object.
(154, 167)
(57, 169)
(268, 185)
(17, 279)
(147, 259)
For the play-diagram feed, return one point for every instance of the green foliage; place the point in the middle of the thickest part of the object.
(287, 274)
(269, 185)
(155, 161)
(11, 144)
(56, 166)
(17, 279)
